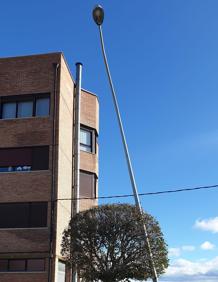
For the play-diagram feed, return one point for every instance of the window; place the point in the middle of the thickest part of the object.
(40, 158)
(37, 215)
(87, 140)
(24, 159)
(35, 265)
(25, 109)
(22, 265)
(9, 110)
(3, 265)
(42, 107)
(17, 265)
(23, 215)
(24, 106)
(87, 185)
(61, 271)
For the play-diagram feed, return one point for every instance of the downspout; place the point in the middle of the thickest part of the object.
(75, 204)
(53, 200)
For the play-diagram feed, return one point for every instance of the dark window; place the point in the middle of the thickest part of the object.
(17, 265)
(15, 156)
(40, 158)
(24, 159)
(5, 169)
(38, 214)
(23, 215)
(25, 109)
(13, 215)
(3, 265)
(42, 106)
(22, 265)
(35, 265)
(87, 139)
(87, 185)
(8, 110)
(24, 106)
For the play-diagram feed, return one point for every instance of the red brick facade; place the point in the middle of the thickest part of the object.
(42, 74)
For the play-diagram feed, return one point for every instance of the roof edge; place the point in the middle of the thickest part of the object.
(59, 53)
(32, 55)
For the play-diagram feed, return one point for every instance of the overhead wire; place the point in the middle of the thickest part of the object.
(143, 194)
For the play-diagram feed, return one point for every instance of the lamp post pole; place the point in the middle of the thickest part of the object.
(98, 16)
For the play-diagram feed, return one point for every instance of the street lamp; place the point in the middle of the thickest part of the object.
(98, 16)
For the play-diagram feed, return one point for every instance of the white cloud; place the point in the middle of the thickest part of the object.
(207, 246)
(184, 271)
(188, 248)
(210, 224)
(174, 252)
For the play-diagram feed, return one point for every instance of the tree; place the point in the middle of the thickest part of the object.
(106, 243)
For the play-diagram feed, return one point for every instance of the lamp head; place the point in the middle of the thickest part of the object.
(98, 14)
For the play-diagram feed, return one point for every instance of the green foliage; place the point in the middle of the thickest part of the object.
(107, 243)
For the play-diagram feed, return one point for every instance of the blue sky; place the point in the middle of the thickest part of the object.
(164, 62)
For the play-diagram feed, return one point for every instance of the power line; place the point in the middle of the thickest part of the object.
(143, 194)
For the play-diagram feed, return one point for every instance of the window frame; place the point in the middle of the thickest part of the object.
(32, 166)
(94, 135)
(24, 98)
(26, 265)
(95, 179)
(35, 104)
(29, 206)
(59, 271)
(18, 103)
(11, 260)
(1, 109)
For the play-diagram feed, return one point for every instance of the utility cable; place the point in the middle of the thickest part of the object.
(143, 194)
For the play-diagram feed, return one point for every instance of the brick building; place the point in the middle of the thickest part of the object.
(36, 164)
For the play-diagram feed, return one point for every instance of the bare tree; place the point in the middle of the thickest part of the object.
(107, 244)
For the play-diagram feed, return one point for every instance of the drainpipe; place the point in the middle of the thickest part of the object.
(51, 251)
(76, 203)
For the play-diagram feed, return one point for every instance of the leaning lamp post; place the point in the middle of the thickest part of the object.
(98, 16)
